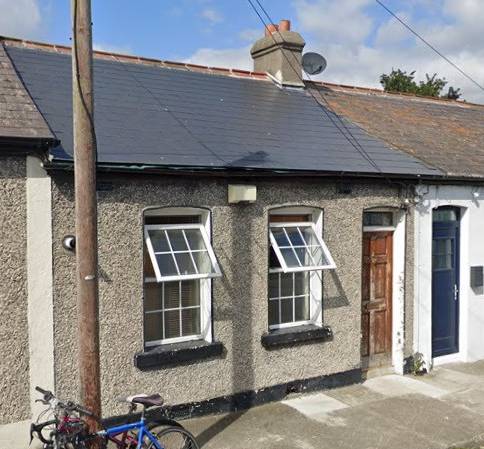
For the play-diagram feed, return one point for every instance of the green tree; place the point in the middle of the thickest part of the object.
(401, 81)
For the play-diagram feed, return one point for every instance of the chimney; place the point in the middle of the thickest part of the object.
(279, 53)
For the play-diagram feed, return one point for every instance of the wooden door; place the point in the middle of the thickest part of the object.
(376, 311)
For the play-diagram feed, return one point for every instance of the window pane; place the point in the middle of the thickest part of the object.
(274, 285)
(172, 295)
(149, 271)
(444, 215)
(286, 284)
(172, 324)
(153, 326)
(203, 262)
(303, 256)
(273, 312)
(185, 264)
(289, 257)
(190, 293)
(280, 236)
(195, 240)
(443, 262)
(153, 296)
(301, 283)
(318, 256)
(166, 265)
(273, 260)
(302, 309)
(177, 240)
(158, 240)
(295, 237)
(442, 246)
(309, 236)
(286, 310)
(191, 321)
(378, 218)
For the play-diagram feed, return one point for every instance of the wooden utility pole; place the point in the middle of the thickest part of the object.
(86, 207)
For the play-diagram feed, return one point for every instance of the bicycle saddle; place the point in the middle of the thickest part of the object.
(153, 400)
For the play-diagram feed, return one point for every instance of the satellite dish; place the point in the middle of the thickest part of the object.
(313, 63)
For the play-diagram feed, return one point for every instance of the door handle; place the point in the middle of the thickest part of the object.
(456, 292)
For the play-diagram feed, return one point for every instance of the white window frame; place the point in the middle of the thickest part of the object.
(315, 276)
(205, 283)
(284, 268)
(181, 277)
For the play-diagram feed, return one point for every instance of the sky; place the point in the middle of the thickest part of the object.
(359, 39)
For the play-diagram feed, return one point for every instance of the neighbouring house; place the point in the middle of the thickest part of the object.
(251, 241)
(448, 310)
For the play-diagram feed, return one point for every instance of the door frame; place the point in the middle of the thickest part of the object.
(398, 281)
(422, 338)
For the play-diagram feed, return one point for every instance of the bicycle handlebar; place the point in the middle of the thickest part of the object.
(68, 406)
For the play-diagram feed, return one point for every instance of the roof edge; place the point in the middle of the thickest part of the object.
(214, 70)
(376, 91)
(68, 166)
(126, 58)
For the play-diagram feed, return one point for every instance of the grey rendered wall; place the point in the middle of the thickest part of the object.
(239, 297)
(14, 365)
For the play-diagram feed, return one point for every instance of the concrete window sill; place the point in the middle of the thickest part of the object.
(295, 335)
(177, 354)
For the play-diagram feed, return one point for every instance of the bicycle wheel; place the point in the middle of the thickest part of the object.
(175, 438)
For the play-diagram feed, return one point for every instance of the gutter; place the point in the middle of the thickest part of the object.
(11, 146)
(68, 166)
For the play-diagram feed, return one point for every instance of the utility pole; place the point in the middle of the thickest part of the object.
(86, 208)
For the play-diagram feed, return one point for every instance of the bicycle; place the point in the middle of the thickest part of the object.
(68, 430)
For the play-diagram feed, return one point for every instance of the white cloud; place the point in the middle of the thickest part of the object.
(212, 15)
(331, 21)
(251, 34)
(359, 51)
(20, 18)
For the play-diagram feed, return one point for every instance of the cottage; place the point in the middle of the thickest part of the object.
(449, 254)
(251, 241)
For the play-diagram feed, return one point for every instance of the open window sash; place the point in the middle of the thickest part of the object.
(298, 247)
(180, 252)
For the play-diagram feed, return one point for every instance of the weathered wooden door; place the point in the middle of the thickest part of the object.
(376, 311)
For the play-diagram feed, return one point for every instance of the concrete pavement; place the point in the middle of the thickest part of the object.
(441, 410)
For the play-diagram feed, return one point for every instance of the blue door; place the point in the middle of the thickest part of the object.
(445, 281)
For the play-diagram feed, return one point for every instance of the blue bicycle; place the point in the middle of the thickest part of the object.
(67, 428)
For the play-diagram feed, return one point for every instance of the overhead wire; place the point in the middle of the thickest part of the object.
(341, 126)
(408, 27)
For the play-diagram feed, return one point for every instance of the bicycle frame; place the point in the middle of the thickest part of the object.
(140, 426)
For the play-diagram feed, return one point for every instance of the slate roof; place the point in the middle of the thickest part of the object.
(154, 113)
(19, 118)
(446, 134)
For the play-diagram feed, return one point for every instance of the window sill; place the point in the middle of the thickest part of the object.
(295, 335)
(177, 354)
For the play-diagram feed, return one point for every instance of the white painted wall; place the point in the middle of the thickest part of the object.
(39, 281)
(471, 253)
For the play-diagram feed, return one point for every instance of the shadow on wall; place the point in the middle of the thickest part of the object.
(240, 313)
(334, 295)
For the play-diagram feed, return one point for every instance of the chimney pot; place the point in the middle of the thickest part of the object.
(285, 25)
(271, 28)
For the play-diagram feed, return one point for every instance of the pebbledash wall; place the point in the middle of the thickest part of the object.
(240, 240)
(14, 333)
